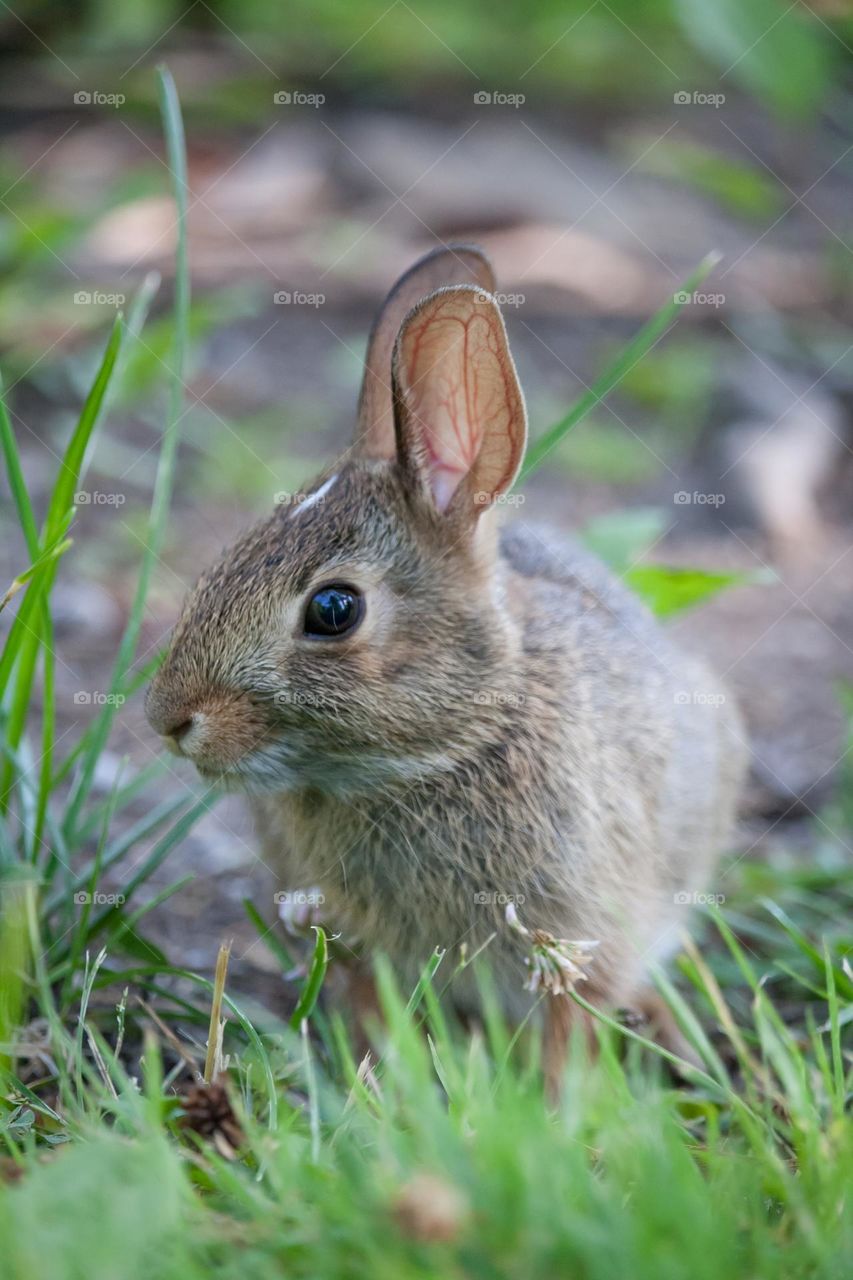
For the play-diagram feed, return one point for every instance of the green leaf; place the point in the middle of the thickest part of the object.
(668, 590)
(741, 186)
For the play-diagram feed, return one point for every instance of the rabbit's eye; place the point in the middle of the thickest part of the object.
(332, 611)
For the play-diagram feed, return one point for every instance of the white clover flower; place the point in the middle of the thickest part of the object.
(556, 964)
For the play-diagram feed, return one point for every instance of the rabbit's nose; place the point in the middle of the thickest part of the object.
(178, 737)
(213, 728)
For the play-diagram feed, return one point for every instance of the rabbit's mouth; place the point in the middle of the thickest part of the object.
(240, 777)
(278, 766)
(260, 771)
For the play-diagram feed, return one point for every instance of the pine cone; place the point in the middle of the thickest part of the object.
(208, 1111)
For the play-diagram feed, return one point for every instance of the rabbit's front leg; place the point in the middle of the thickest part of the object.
(565, 1022)
(359, 998)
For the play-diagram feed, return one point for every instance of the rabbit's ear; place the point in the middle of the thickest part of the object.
(461, 420)
(455, 264)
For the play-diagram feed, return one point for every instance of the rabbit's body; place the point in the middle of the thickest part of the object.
(437, 718)
(593, 797)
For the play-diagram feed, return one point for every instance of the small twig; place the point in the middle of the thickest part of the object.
(213, 1063)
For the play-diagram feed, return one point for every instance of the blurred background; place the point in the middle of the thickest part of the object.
(598, 151)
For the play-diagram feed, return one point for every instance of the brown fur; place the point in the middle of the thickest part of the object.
(508, 719)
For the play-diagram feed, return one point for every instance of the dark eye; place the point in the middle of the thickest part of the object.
(332, 611)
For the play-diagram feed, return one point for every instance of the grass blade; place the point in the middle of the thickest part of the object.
(24, 641)
(62, 498)
(161, 498)
(17, 484)
(638, 347)
(314, 982)
(268, 935)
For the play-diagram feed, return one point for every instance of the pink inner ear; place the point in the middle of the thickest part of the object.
(456, 388)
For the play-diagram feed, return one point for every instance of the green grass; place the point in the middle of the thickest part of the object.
(617, 369)
(619, 51)
(441, 1157)
(445, 1160)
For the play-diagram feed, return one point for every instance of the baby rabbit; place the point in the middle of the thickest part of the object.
(434, 714)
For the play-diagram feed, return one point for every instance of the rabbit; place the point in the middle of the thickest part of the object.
(435, 712)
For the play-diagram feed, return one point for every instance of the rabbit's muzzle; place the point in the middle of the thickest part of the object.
(216, 734)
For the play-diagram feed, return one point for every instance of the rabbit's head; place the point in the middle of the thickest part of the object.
(346, 641)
